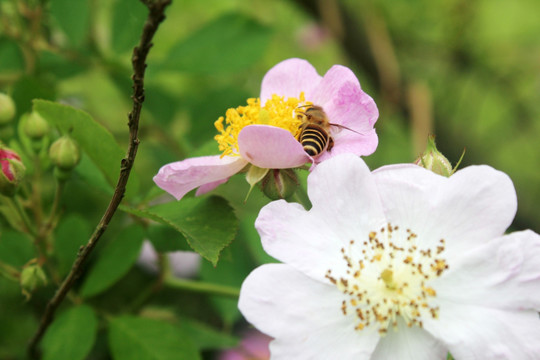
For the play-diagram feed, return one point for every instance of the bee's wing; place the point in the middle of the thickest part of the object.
(340, 127)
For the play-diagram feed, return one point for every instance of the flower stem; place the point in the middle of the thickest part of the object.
(202, 287)
(24, 216)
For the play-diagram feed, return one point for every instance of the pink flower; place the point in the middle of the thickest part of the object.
(254, 346)
(262, 133)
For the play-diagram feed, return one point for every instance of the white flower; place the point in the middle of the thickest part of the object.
(400, 263)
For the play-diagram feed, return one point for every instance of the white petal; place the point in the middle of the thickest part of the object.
(474, 205)
(503, 273)
(345, 208)
(343, 192)
(292, 235)
(302, 315)
(473, 332)
(411, 343)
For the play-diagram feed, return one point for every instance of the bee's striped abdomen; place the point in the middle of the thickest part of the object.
(314, 139)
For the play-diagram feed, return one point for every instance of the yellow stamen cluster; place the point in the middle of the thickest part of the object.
(388, 278)
(276, 112)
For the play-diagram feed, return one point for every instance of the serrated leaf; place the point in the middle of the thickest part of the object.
(71, 233)
(135, 338)
(127, 23)
(114, 261)
(228, 44)
(165, 238)
(94, 139)
(73, 17)
(208, 224)
(72, 335)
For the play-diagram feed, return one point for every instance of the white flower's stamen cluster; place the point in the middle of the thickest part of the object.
(388, 276)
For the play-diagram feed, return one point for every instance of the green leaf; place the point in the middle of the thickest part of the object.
(234, 266)
(96, 141)
(228, 44)
(208, 224)
(127, 23)
(30, 87)
(206, 337)
(71, 233)
(11, 56)
(165, 238)
(73, 17)
(72, 335)
(114, 261)
(15, 248)
(133, 338)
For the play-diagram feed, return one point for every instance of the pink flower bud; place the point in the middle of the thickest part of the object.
(12, 171)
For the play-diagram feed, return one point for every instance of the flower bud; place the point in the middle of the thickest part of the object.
(35, 127)
(12, 171)
(32, 276)
(7, 109)
(64, 153)
(279, 183)
(433, 160)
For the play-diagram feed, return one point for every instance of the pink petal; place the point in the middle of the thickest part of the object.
(270, 147)
(180, 177)
(331, 83)
(289, 78)
(353, 143)
(203, 189)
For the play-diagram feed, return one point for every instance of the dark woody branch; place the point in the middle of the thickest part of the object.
(156, 15)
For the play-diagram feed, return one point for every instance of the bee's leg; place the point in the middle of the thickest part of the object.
(330, 143)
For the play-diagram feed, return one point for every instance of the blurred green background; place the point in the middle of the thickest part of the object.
(466, 71)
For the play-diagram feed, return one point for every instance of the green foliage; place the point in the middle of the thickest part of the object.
(70, 62)
(133, 338)
(72, 335)
(114, 262)
(72, 233)
(228, 44)
(96, 141)
(11, 56)
(208, 224)
(127, 22)
(73, 17)
(16, 249)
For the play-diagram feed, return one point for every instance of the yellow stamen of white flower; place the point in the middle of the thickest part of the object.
(384, 281)
(276, 112)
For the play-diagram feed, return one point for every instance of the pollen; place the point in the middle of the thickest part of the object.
(277, 111)
(388, 276)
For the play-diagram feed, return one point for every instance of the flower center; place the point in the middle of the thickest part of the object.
(276, 112)
(386, 279)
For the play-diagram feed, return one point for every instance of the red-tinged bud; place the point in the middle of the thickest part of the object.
(433, 160)
(279, 183)
(7, 109)
(12, 171)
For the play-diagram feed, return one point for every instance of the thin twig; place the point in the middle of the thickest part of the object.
(155, 17)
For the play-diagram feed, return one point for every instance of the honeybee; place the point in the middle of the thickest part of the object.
(314, 134)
